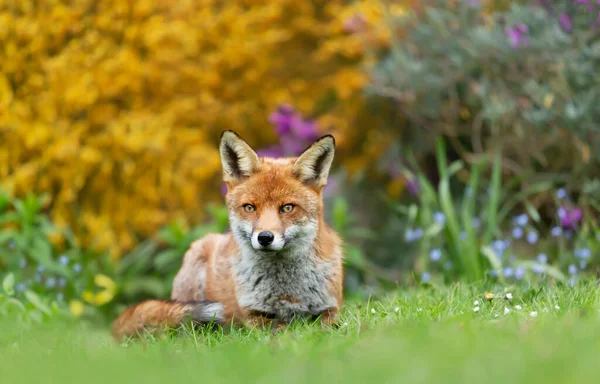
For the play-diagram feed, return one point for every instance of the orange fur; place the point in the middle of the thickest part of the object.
(207, 274)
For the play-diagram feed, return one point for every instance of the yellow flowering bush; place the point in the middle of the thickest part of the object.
(114, 107)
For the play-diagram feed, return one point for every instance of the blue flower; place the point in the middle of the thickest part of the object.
(463, 235)
(77, 268)
(23, 263)
(468, 191)
(11, 244)
(508, 272)
(561, 193)
(532, 237)
(538, 269)
(38, 278)
(435, 254)
(561, 212)
(62, 282)
(60, 296)
(584, 253)
(582, 265)
(51, 282)
(517, 232)
(519, 273)
(542, 258)
(476, 222)
(425, 277)
(493, 273)
(21, 287)
(572, 269)
(40, 268)
(521, 220)
(439, 218)
(556, 231)
(63, 259)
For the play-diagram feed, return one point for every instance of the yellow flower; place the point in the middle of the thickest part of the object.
(76, 307)
(104, 281)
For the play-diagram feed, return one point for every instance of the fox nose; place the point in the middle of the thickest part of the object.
(265, 238)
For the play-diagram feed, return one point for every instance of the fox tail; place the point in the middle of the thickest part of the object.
(152, 314)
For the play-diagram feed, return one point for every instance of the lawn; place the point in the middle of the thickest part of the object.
(546, 334)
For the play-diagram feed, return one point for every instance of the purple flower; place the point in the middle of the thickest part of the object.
(305, 129)
(295, 133)
(570, 217)
(282, 118)
(413, 186)
(517, 36)
(565, 23)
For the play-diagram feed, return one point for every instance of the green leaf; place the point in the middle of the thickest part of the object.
(354, 258)
(548, 269)
(167, 257)
(494, 199)
(533, 213)
(494, 262)
(16, 303)
(9, 284)
(37, 302)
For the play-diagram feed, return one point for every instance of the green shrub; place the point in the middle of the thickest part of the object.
(524, 80)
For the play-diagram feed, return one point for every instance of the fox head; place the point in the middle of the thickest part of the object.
(275, 205)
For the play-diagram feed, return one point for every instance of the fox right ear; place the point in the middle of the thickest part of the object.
(238, 159)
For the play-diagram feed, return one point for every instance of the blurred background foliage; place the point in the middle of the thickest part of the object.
(114, 108)
(467, 136)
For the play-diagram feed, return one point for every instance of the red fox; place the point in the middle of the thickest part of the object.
(279, 262)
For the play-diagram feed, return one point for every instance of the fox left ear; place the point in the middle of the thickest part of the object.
(238, 159)
(313, 165)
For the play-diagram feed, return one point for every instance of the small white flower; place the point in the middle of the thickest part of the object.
(556, 307)
(545, 310)
(345, 324)
(495, 315)
(476, 309)
(509, 296)
(506, 311)
(476, 302)
(419, 309)
(396, 309)
(518, 307)
(373, 310)
(533, 314)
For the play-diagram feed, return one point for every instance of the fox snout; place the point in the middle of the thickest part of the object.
(267, 240)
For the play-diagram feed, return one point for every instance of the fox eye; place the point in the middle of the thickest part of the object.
(249, 208)
(286, 208)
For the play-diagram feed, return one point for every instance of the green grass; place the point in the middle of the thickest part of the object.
(417, 336)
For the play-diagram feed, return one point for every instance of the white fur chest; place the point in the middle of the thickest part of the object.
(284, 285)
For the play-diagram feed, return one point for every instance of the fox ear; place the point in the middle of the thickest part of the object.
(313, 165)
(238, 159)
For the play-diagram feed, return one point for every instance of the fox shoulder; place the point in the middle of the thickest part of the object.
(190, 281)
